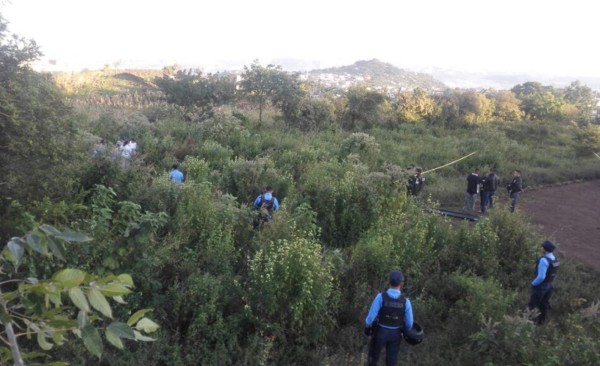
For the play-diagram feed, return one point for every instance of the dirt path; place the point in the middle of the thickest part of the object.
(570, 215)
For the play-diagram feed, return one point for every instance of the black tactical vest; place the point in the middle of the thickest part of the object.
(391, 313)
(552, 270)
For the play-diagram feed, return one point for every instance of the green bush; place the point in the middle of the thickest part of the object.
(290, 289)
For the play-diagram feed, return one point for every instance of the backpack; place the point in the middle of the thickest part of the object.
(267, 204)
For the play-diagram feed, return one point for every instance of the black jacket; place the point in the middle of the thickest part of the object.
(490, 183)
(472, 182)
(515, 185)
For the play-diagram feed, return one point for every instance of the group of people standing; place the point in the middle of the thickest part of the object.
(486, 186)
(125, 149)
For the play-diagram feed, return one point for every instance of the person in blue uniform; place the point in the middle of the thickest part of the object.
(389, 314)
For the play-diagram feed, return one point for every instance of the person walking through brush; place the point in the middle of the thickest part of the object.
(472, 190)
(489, 184)
(266, 203)
(175, 175)
(514, 188)
(389, 314)
(546, 268)
(415, 183)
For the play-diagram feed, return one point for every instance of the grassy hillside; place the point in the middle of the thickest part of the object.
(228, 290)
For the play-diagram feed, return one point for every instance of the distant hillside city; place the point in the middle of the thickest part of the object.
(375, 74)
(374, 71)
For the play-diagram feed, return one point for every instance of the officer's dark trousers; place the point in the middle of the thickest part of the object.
(388, 338)
(514, 197)
(540, 298)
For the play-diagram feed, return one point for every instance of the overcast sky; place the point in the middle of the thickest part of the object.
(559, 38)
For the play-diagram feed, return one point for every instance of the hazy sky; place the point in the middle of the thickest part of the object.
(558, 38)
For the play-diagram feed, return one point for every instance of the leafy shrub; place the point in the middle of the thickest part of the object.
(290, 288)
(479, 301)
(246, 179)
(204, 226)
(225, 129)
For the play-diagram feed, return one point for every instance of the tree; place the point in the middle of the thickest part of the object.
(195, 91)
(32, 306)
(415, 106)
(36, 131)
(15, 53)
(582, 97)
(539, 102)
(475, 107)
(257, 84)
(457, 107)
(261, 84)
(506, 105)
(312, 114)
(449, 107)
(363, 108)
(288, 95)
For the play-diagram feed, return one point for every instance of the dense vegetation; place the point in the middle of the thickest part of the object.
(297, 290)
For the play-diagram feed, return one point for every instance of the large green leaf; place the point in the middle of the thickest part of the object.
(140, 337)
(44, 344)
(82, 319)
(57, 248)
(137, 316)
(121, 330)
(119, 299)
(114, 289)
(91, 340)
(126, 279)
(98, 302)
(73, 236)
(69, 277)
(78, 298)
(16, 249)
(113, 339)
(146, 325)
(35, 242)
(50, 230)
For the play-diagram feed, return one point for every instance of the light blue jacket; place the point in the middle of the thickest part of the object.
(258, 201)
(542, 269)
(176, 176)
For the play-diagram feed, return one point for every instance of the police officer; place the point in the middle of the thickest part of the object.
(546, 268)
(514, 188)
(176, 176)
(390, 312)
(266, 204)
(415, 183)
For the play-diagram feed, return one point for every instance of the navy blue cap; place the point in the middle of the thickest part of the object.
(396, 277)
(549, 246)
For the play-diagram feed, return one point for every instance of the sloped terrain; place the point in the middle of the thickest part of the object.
(375, 73)
(570, 215)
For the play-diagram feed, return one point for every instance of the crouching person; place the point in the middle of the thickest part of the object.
(389, 314)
